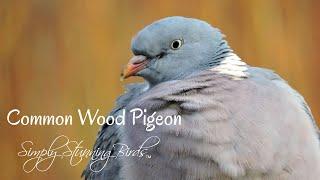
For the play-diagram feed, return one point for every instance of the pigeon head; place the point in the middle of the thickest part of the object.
(173, 48)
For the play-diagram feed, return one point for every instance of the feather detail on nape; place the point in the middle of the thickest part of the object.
(233, 66)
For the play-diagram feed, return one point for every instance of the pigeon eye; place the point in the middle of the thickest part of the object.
(176, 44)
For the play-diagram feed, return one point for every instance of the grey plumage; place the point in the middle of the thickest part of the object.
(238, 122)
(110, 135)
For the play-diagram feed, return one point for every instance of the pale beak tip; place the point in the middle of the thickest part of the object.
(136, 64)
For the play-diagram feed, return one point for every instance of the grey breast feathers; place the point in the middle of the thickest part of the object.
(110, 135)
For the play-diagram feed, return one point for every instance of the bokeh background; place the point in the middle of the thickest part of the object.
(58, 56)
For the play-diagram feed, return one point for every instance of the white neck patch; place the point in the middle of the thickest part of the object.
(233, 66)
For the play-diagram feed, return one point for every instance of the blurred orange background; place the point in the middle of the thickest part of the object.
(58, 56)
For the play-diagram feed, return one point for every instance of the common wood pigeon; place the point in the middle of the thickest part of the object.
(238, 121)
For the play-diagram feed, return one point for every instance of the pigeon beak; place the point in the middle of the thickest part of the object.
(136, 64)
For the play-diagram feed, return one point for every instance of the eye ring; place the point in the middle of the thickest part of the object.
(176, 44)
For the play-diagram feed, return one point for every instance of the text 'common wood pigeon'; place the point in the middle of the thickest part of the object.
(238, 121)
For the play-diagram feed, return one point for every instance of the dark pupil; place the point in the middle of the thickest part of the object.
(175, 44)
